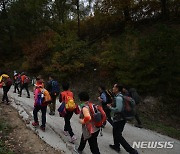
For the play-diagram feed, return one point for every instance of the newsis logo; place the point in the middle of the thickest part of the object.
(153, 144)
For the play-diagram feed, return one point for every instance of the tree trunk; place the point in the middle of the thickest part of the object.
(164, 9)
(7, 24)
(78, 17)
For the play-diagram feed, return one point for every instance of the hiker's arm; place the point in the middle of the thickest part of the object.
(87, 116)
(119, 105)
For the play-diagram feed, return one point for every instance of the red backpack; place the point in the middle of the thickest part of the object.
(97, 114)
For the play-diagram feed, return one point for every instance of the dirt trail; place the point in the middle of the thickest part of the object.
(20, 139)
(55, 138)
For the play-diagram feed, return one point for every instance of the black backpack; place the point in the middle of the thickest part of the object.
(133, 93)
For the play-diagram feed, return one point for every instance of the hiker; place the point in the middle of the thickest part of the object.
(6, 83)
(105, 99)
(17, 81)
(87, 123)
(24, 84)
(39, 80)
(42, 98)
(119, 122)
(54, 90)
(133, 93)
(68, 97)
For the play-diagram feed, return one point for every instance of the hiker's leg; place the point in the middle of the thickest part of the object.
(35, 112)
(121, 139)
(108, 114)
(43, 110)
(7, 90)
(27, 90)
(18, 88)
(67, 119)
(21, 88)
(116, 134)
(137, 119)
(137, 116)
(54, 104)
(15, 87)
(4, 93)
(82, 143)
(93, 143)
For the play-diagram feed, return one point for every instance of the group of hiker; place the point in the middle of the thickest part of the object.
(116, 106)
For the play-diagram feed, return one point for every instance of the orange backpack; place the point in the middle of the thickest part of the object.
(98, 114)
(69, 101)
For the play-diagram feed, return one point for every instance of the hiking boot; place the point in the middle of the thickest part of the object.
(35, 124)
(114, 148)
(77, 150)
(52, 113)
(139, 126)
(7, 103)
(73, 138)
(66, 133)
(134, 152)
(42, 128)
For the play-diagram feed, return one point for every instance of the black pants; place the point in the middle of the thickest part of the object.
(5, 92)
(16, 87)
(108, 115)
(52, 105)
(26, 87)
(137, 116)
(92, 143)
(43, 110)
(118, 128)
(67, 126)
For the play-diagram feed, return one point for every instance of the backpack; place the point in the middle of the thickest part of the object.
(128, 111)
(8, 82)
(55, 87)
(97, 114)
(27, 80)
(109, 97)
(39, 96)
(133, 93)
(69, 103)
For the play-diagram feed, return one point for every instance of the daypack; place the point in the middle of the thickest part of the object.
(39, 96)
(70, 104)
(26, 80)
(97, 114)
(128, 111)
(8, 82)
(109, 97)
(55, 87)
(69, 101)
(133, 93)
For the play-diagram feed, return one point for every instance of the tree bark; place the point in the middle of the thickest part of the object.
(164, 9)
(78, 17)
